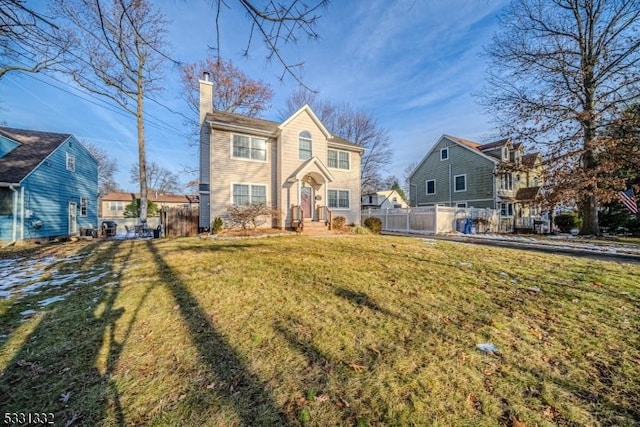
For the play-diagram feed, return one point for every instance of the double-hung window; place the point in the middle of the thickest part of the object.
(506, 181)
(338, 199)
(506, 209)
(304, 145)
(338, 159)
(71, 162)
(83, 206)
(247, 147)
(249, 194)
(431, 187)
(459, 183)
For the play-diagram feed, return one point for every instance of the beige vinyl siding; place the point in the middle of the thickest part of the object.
(290, 161)
(226, 169)
(344, 180)
(348, 180)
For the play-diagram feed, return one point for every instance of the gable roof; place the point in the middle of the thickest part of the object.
(118, 196)
(237, 122)
(529, 160)
(232, 121)
(527, 194)
(34, 148)
(308, 165)
(462, 141)
(495, 144)
(306, 109)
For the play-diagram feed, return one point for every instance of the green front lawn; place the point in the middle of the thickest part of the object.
(348, 330)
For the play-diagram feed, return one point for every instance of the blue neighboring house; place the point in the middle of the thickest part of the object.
(48, 186)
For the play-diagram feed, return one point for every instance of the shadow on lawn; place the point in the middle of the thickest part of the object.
(362, 299)
(251, 399)
(55, 369)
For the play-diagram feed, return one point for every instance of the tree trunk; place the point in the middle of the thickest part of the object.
(142, 161)
(589, 209)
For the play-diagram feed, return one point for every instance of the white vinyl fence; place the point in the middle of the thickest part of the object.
(437, 219)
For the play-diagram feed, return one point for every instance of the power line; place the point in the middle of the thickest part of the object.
(149, 118)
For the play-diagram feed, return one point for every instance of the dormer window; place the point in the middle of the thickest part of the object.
(304, 145)
(505, 153)
(444, 154)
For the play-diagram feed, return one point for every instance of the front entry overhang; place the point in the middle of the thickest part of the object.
(312, 168)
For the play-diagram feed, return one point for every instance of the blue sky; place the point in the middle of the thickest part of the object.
(413, 65)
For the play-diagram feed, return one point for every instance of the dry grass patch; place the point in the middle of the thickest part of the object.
(361, 330)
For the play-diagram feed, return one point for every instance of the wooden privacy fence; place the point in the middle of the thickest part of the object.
(435, 219)
(179, 222)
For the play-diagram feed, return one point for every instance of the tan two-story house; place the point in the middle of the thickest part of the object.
(296, 167)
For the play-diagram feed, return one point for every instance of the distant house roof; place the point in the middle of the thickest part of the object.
(528, 193)
(160, 198)
(232, 121)
(495, 144)
(34, 148)
(463, 141)
(529, 160)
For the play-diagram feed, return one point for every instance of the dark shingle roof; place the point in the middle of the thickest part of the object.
(529, 160)
(463, 141)
(528, 193)
(222, 119)
(33, 149)
(495, 144)
(342, 141)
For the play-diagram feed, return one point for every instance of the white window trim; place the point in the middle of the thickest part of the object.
(506, 205)
(86, 207)
(426, 187)
(266, 148)
(73, 159)
(300, 137)
(339, 189)
(249, 184)
(443, 150)
(338, 158)
(465, 183)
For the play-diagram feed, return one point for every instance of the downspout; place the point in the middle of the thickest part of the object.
(413, 202)
(22, 213)
(450, 186)
(15, 215)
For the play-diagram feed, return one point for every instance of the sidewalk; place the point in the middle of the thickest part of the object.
(561, 244)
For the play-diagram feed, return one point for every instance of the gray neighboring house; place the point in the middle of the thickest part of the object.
(461, 173)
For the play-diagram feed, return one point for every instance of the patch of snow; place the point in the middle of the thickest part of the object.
(48, 301)
(28, 313)
(487, 347)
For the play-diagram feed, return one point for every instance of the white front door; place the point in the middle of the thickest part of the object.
(73, 224)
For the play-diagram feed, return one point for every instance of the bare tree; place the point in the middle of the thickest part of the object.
(407, 182)
(235, 92)
(356, 126)
(560, 72)
(29, 41)
(277, 24)
(159, 180)
(118, 54)
(107, 167)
